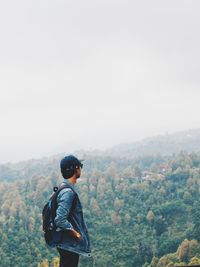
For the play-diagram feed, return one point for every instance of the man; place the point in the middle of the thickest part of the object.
(69, 216)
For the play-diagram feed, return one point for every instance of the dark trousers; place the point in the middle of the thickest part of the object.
(68, 258)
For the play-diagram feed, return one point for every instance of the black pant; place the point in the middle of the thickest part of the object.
(68, 258)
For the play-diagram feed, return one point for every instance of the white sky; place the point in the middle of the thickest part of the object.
(92, 74)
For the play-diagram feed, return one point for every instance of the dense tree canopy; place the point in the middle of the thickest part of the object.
(139, 212)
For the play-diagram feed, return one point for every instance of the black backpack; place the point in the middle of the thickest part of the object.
(53, 237)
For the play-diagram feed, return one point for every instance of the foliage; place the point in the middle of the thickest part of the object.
(188, 253)
(139, 212)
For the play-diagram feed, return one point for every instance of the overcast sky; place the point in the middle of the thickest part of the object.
(92, 74)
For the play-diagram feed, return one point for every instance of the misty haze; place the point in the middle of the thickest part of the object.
(93, 74)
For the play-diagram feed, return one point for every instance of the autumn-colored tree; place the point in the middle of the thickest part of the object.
(115, 218)
(55, 262)
(150, 216)
(94, 206)
(44, 263)
(194, 261)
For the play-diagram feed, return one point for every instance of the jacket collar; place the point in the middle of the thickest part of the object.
(70, 185)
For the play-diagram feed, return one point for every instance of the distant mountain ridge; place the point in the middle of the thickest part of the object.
(168, 144)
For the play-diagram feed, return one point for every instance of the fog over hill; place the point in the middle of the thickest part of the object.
(188, 141)
(167, 144)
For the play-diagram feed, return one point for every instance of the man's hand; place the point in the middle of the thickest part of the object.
(75, 234)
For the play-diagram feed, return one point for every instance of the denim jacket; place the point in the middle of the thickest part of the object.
(65, 220)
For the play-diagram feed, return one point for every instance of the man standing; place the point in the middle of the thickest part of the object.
(69, 216)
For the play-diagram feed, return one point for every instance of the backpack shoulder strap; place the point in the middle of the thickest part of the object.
(54, 199)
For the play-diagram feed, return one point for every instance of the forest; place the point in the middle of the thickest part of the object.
(140, 212)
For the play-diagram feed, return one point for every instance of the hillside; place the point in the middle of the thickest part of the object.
(168, 144)
(135, 209)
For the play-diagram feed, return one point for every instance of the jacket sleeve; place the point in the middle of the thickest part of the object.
(64, 201)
